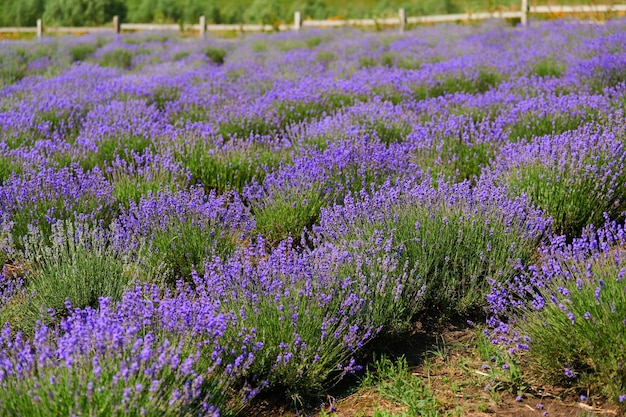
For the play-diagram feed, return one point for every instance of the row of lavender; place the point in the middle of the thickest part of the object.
(185, 224)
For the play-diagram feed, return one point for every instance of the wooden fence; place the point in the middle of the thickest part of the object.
(400, 21)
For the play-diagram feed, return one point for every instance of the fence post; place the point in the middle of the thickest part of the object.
(297, 21)
(402, 17)
(524, 20)
(202, 26)
(39, 29)
(116, 24)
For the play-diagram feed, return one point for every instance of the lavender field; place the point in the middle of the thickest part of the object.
(187, 225)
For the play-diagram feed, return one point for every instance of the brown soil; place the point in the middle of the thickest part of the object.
(445, 355)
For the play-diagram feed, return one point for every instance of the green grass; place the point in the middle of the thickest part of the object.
(504, 372)
(393, 381)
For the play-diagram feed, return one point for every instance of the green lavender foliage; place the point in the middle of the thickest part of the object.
(75, 263)
(578, 339)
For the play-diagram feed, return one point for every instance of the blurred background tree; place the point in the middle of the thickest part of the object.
(82, 12)
(100, 12)
(20, 12)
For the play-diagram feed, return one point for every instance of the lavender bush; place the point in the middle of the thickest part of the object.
(455, 238)
(182, 229)
(565, 315)
(313, 311)
(226, 217)
(77, 263)
(139, 357)
(576, 177)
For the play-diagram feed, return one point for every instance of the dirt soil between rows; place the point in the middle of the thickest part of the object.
(455, 377)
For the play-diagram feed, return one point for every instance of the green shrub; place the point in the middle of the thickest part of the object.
(286, 207)
(8, 167)
(215, 54)
(312, 315)
(81, 51)
(183, 247)
(485, 80)
(325, 57)
(229, 169)
(164, 95)
(367, 62)
(572, 202)
(294, 111)
(531, 125)
(265, 12)
(313, 41)
(548, 67)
(111, 149)
(409, 63)
(128, 189)
(137, 357)
(388, 132)
(243, 128)
(179, 56)
(45, 201)
(457, 152)
(21, 13)
(288, 213)
(13, 67)
(179, 230)
(119, 58)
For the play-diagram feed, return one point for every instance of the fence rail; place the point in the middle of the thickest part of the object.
(401, 20)
(579, 9)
